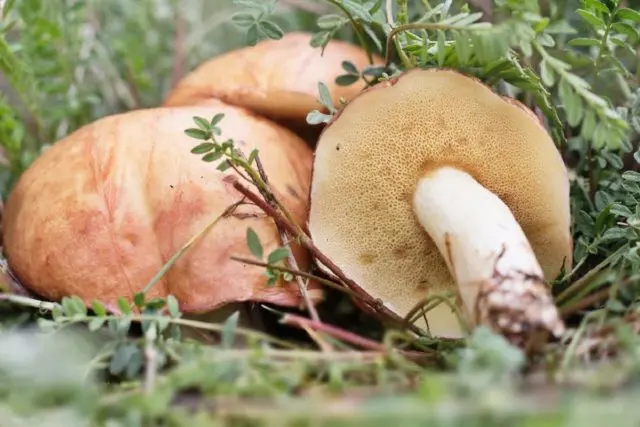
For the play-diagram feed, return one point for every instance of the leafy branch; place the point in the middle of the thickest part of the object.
(254, 16)
(214, 150)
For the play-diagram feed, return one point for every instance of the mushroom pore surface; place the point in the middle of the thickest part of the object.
(99, 213)
(369, 159)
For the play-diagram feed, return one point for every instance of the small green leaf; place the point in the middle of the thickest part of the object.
(347, 79)
(68, 307)
(621, 210)
(325, 97)
(197, 133)
(316, 117)
(123, 324)
(173, 306)
(374, 37)
(212, 157)
(632, 176)
(589, 124)
(80, 306)
(541, 25)
(121, 358)
(223, 166)
(546, 73)
(373, 71)
(251, 4)
(626, 13)
(584, 41)
(271, 29)
(320, 39)
(331, 21)
(57, 312)
(546, 40)
(163, 323)
(123, 305)
(441, 48)
(155, 303)
(377, 5)
(252, 156)
(615, 306)
(278, 255)
(252, 35)
(98, 308)
(462, 46)
(138, 299)
(202, 124)
(626, 29)
(595, 4)
(217, 119)
(253, 241)
(592, 19)
(229, 330)
(349, 67)
(357, 10)
(243, 19)
(96, 323)
(272, 278)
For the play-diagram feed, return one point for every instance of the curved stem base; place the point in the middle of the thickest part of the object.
(498, 276)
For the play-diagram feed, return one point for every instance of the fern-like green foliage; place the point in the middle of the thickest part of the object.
(576, 61)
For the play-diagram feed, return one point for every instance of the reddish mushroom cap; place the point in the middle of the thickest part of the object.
(100, 212)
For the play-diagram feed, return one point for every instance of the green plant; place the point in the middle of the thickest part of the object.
(575, 63)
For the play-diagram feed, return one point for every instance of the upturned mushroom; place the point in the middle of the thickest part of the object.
(431, 182)
(99, 213)
(275, 78)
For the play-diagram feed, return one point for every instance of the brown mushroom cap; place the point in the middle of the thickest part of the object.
(101, 211)
(275, 78)
(369, 159)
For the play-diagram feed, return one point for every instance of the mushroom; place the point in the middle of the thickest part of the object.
(275, 78)
(431, 182)
(99, 213)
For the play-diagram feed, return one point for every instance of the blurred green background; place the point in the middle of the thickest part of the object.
(68, 62)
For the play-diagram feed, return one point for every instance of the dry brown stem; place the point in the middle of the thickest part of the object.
(346, 336)
(291, 259)
(372, 305)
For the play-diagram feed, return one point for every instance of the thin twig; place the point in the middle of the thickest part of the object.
(325, 347)
(213, 327)
(328, 283)
(160, 274)
(151, 359)
(302, 287)
(374, 305)
(350, 337)
(582, 282)
(594, 298)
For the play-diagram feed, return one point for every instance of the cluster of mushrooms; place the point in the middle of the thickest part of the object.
(426, 183)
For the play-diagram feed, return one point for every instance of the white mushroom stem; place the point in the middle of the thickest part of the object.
(499, 278)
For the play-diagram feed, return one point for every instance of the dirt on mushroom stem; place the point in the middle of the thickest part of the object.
(498, 277)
